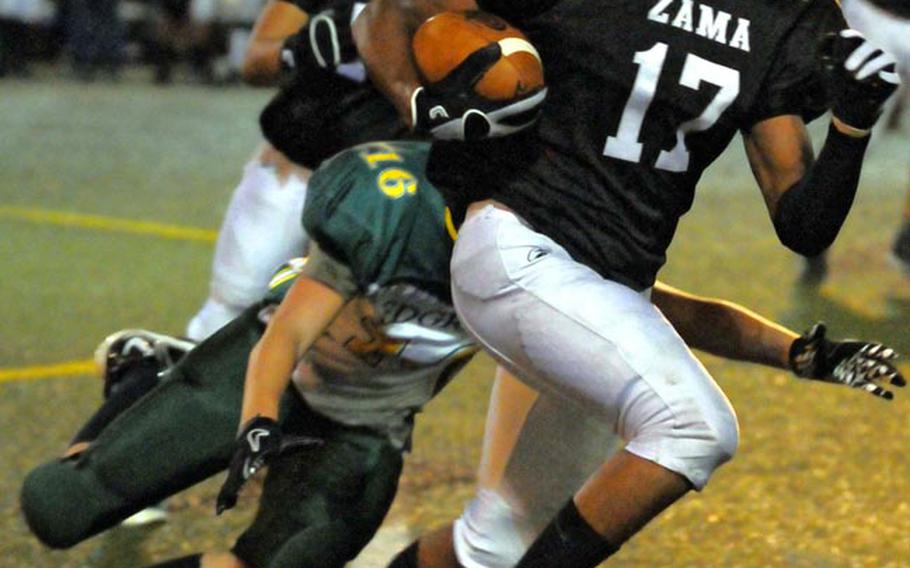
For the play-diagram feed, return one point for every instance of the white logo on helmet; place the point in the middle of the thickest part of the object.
(255, 436)
(438, 112)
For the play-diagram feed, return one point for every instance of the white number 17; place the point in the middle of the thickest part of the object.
(625, 145)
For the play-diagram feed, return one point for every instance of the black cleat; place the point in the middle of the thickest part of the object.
(125, 348)
(815, 270)
(900, 249)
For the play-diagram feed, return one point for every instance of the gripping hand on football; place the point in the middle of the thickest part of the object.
(860, 78)
(325, 42)
(451, 110)
(259, 442)
(857, 364)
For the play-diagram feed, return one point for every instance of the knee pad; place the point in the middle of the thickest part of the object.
(60, 503)
(692, 440)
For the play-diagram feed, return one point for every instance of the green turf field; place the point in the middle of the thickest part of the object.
(821, 478)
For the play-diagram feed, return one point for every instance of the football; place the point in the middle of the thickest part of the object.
(442, 42)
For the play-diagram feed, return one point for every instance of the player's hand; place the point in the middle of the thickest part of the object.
(324, 42)
(450, 109)
(259, 442)
(860, 77)
(858, 364)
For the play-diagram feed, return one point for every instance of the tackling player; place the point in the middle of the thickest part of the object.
(322, 107)
(566, 224)
(378, 272)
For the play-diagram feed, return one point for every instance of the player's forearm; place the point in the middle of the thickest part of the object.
(306, 311)
(810, 214)
(262, 62)
(268, 374)
(262, 65)
(734, 332)
(383, 33)
(724, 328)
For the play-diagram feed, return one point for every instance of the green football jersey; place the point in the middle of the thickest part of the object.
(377, 222)
(372, 208)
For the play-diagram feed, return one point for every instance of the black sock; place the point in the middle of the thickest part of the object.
(139, 380)
(191, 561)
(407, 558)
(567, 541)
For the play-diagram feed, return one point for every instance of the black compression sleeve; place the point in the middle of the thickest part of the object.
(810, 214)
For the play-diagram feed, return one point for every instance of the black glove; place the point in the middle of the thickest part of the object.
(450, 109)
(258, 443)
(325, 42)
(860, 77)
(857, 364)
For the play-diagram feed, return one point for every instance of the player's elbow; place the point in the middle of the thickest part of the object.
(802, 233)
(804, 242)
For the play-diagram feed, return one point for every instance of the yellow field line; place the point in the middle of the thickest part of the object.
(112, 224)
(68, 369)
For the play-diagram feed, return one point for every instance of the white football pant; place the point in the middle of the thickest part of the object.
(567, 332)
(537, 452)
(261, 230)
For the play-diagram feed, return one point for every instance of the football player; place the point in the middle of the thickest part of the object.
(887, 22)
(379, 261)
(378, 271)
(322, 107)
(566, 224)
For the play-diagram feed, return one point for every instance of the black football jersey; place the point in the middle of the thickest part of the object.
(319, 113)
(643, 96)
(896, 7)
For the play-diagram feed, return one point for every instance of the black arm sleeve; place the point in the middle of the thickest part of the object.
(810, 214)
(515, 11)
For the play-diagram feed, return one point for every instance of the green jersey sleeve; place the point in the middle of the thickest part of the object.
(334, 274)
(317, 265)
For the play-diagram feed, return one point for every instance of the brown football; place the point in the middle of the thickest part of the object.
(446, 39)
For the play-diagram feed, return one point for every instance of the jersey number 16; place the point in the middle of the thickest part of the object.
(625, 145)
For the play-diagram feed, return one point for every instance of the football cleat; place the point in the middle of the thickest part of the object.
(125, 348)
(148, 516)
(900, 249)
(814, 270)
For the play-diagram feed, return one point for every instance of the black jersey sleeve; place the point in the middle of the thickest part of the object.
(794, 84)
(516, 11)
(895, 7)
(308, 6)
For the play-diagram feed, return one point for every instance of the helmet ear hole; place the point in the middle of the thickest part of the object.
(476, 126)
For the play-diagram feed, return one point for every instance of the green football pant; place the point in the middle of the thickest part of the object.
(183, 432)
(178, 434)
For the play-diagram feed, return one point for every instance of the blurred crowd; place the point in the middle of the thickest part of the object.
(195, 40)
